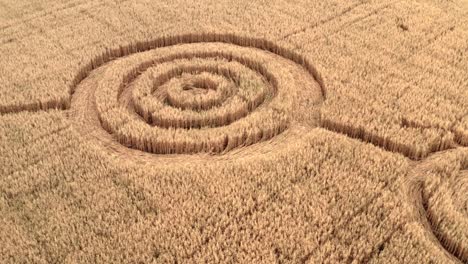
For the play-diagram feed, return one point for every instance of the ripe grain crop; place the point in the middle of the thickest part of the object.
(439, 190)
(263, 93)
(240, 132)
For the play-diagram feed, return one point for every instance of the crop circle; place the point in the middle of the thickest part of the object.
(196, 94)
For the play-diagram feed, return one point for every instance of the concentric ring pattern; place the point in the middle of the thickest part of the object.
(197, 93)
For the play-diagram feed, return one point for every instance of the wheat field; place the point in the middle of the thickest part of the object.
(233, 131)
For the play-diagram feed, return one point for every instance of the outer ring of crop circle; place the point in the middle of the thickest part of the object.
(164, 41)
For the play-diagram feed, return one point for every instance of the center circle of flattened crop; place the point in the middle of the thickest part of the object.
(196, 94)
(170, 96)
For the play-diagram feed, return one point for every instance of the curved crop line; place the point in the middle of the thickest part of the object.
(250, 64)
(133, 86)
(415, 191)
(240, 40)
(165, 41)
(421, 209)
(245, 41)
(446, 242)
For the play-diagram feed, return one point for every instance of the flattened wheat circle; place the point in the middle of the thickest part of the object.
(189, 94)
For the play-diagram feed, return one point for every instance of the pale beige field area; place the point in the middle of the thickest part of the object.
(233, 131)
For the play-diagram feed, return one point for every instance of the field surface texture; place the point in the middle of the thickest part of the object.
(233, 131)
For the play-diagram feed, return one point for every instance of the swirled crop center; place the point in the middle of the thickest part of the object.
(206, 97)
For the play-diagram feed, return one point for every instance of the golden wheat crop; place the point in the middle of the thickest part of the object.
(233, 132)
(444, 199)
